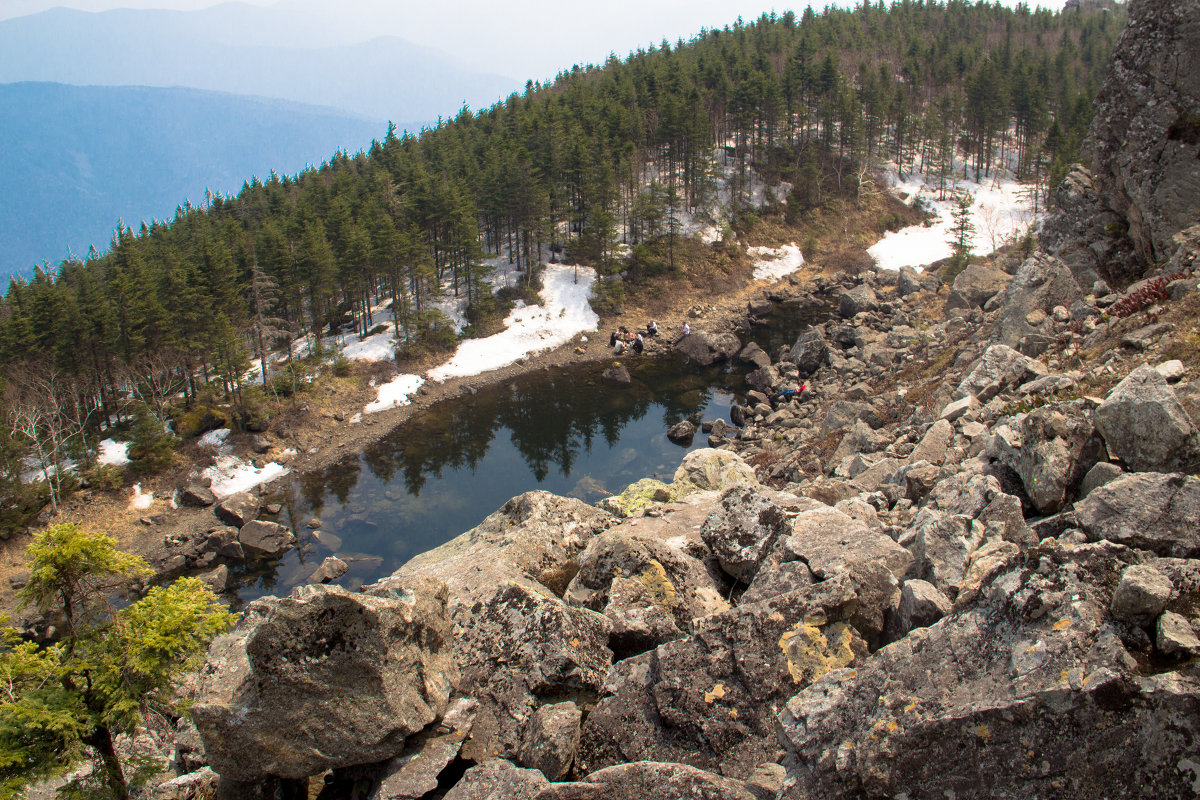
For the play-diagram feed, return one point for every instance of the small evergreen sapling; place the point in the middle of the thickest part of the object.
(961, 231)
(67, 701)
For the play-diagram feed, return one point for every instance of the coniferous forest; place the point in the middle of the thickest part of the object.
(603, 156)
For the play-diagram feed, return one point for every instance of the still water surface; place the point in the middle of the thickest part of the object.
(568, 431)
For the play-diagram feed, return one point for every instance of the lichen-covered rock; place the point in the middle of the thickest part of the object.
(746, 524)
(1051, 448)
(638, 496)
(536, 536)
(671, 578)
(1145, 425)
(639, 620)
(551, 739)
(710, 700)
(707, 469)
(649, 780)
(832, 544)
(498, 779)
(516, 647)
(1029, 693)
(325, 678)
(1149, 511)
(999, 366)
(1041, 283)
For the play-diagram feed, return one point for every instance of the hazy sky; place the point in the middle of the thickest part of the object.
(518, 38)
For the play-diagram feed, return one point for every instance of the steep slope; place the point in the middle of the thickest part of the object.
(78, 158)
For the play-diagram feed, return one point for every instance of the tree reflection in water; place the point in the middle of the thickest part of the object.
(569, 431)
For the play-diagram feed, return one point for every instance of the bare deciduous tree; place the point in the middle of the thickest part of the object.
(43, 409)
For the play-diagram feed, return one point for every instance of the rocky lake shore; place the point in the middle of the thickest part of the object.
(965, 562)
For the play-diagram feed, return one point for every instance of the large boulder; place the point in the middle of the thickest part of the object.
(1000, 366)
(753, 354)
(703, 349)
(637, 497)
(746, 525)
(1144, 424)
(536, 536)
(669, 577)
(414, 773)
(519, 648)
(710, 700)
(325, 678)
(942, 545)
(979, 283)
(844, 413)
(498, 779)
(810, 352)
(261, 539)
(1029, 693)
(857, 300)
(708, 469)
(1041, 283)
(1051, 449)
(832, 544)
(238, 509)
(551, 739)
(1149, 511)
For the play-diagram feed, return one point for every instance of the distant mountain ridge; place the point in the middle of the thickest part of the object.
(242, 49)
(78, 158)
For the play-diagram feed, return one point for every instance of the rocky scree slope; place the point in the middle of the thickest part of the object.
(965, 562)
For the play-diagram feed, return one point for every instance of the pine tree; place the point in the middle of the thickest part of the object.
(961, 231)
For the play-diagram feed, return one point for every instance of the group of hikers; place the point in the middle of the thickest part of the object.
(622, 339)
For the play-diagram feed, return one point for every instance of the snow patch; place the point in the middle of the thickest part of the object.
(376, 347)
(1002, 211)
(113, 453)
(395, 393)
(139, 501)
(563, 314)
(231, 475)
(773, 263)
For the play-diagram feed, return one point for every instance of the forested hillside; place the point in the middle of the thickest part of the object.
(604, 156)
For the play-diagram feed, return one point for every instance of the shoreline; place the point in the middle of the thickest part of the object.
(322, 436)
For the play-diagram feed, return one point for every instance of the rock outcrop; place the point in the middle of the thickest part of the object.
(325, 678)
(1016, 688)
